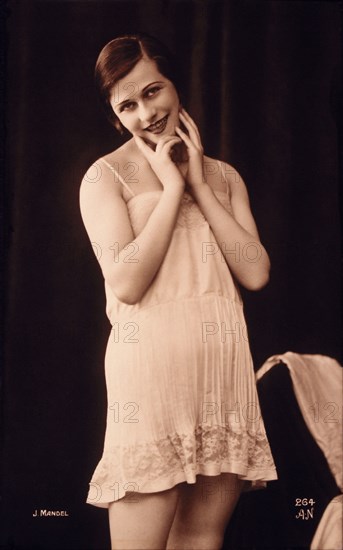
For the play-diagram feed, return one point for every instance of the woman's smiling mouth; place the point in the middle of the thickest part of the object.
(158, 127)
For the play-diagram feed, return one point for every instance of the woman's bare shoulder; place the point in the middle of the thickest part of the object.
(225, 171)
(101, 171)
(217, 174)
(103, 167)
(218, 162)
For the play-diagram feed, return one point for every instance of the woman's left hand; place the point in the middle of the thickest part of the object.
(195, 176)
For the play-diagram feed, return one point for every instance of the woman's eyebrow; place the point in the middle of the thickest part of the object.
(151, 83)
(145, 87)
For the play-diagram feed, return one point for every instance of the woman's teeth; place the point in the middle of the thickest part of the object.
(158, 127)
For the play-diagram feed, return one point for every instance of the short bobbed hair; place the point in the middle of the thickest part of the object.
(119, 57)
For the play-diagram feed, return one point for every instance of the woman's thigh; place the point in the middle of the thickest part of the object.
(142, 521)
(203, 511)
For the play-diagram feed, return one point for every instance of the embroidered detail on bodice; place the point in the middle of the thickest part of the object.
(190, 215)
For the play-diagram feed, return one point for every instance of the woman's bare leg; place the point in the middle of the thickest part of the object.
(142, 521)
(203, 512)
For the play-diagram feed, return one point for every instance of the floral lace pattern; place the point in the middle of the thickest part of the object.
(208, 447)
(190, 215)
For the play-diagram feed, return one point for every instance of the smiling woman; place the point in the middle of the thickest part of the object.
(119, 57)
(145, 102)
(184, 428)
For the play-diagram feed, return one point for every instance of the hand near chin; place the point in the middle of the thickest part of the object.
(195, 177)
(161, 161)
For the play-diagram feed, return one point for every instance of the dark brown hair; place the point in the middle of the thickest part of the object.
(119, 57)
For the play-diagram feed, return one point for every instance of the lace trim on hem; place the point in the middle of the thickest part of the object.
(209, 450)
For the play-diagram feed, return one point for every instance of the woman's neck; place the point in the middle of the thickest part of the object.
(179, 153)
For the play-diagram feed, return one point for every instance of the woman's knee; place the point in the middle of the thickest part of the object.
(203, 512)
(133, 520)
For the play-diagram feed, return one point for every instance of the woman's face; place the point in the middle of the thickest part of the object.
(146, 102)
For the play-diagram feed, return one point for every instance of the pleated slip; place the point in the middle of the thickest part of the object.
(182, 398)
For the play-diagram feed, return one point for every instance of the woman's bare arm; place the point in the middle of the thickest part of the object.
(129, 270)
(236, 233)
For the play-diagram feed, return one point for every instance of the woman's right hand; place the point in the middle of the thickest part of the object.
(160, 160)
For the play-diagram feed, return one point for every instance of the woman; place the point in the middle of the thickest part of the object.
(174, 235)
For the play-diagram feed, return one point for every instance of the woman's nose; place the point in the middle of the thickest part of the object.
(147, 113)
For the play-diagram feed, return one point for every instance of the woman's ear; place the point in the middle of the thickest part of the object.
(118, 126)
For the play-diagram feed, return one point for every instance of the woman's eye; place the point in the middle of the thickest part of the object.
(153, 90)
(126, 107)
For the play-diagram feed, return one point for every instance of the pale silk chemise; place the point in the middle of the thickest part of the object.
(181, 393)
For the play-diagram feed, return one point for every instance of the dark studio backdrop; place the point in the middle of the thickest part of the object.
(262, 82)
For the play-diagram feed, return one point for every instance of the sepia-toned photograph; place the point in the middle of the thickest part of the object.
(172, 343)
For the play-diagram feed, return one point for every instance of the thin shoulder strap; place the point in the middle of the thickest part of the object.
(224, 176)
(118, 176)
